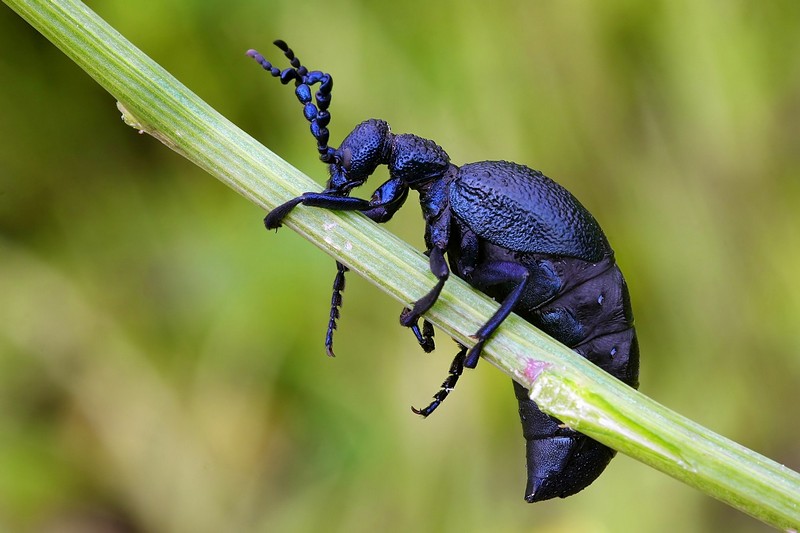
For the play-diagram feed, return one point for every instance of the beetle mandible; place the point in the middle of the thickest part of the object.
(510, 232)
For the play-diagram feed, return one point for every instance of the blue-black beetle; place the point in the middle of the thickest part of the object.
(508, 231)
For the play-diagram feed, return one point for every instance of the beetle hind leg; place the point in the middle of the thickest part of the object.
(489, 274)
(456, 368)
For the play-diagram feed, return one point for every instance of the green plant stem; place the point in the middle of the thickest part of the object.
(562, 383)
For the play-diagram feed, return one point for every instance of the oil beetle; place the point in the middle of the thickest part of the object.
(507, 230)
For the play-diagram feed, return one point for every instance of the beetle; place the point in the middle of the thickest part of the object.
(507, 230)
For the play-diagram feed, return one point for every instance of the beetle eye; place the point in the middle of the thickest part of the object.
(347, 157)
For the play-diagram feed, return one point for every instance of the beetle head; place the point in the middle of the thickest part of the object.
(367, 146)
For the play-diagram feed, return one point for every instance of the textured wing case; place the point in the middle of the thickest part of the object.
(522, 209)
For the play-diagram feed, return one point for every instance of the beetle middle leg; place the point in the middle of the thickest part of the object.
(440, 269)
(424, 337)
(484, 275)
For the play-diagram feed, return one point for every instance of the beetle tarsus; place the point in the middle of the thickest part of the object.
(456, 369)
(336, 303)
(425, 336)
(274, 218)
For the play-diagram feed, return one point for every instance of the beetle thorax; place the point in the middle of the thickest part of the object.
(417, 161)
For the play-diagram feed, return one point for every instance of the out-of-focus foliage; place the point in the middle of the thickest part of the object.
(161, 358)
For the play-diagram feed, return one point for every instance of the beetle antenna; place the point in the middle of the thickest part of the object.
(318, 114)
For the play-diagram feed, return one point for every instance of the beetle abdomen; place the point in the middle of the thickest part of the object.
(595, 319)
(592, 315)
(584, 305)
(561, 461)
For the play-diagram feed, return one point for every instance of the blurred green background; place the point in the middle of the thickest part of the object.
(161, 358)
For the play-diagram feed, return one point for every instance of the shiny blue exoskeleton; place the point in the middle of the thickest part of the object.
(508, 231)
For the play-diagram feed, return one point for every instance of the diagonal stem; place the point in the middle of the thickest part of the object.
(562, 383)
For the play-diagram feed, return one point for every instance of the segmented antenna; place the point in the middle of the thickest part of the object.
(318, 114)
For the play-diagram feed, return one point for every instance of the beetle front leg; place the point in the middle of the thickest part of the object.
(336, 303)
(325, 200)
(385, 202)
